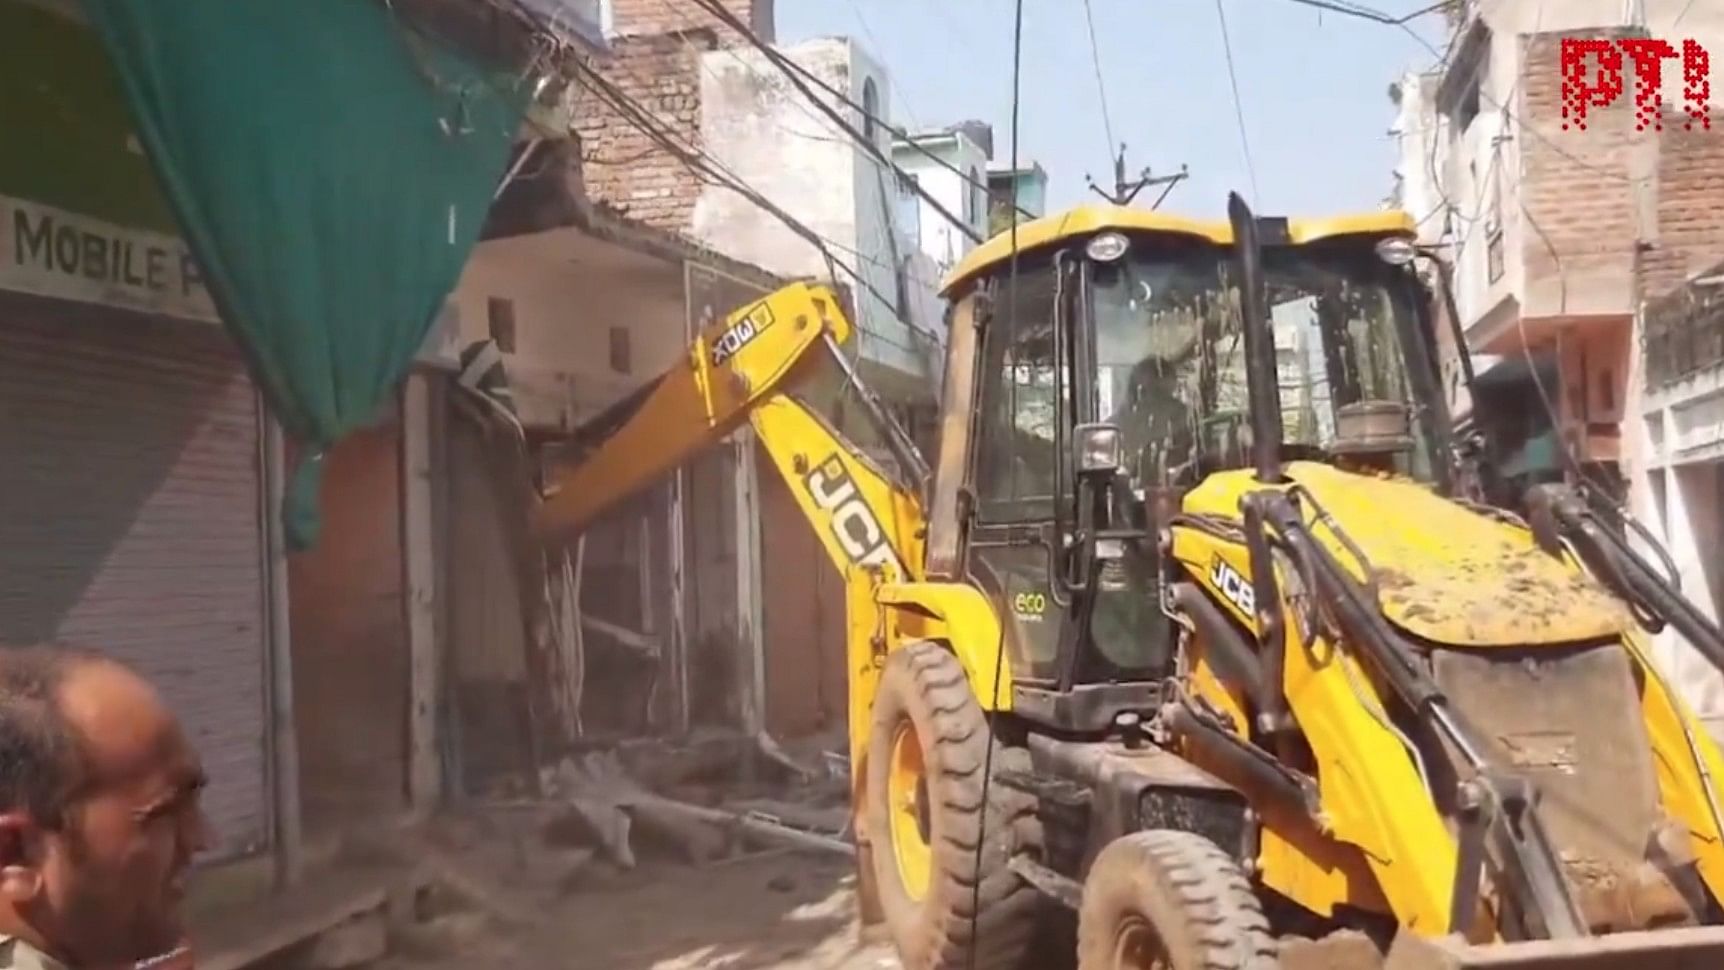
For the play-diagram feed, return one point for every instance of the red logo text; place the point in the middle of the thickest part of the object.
(1592, 77)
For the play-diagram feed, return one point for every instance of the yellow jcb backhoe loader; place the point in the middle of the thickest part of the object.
(1187, 630)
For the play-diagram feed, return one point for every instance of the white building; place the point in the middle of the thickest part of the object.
(1029, 182)
(951, 167)
(760, 126)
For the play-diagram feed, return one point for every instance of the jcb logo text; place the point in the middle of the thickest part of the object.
(853, 523)
(1234, 586)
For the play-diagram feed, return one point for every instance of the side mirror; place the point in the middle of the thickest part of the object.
(1098, 450)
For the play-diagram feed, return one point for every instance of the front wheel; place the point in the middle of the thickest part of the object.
(928, 808)
(1170, 901)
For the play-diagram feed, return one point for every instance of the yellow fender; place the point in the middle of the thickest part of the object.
(964, 619)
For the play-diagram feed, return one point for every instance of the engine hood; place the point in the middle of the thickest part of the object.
(1444, 572)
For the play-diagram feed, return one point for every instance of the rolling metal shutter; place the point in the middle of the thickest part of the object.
(129, 522)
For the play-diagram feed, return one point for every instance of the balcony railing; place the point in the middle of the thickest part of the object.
(1684, 330)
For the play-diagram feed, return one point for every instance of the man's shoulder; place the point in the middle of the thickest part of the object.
(17, 954)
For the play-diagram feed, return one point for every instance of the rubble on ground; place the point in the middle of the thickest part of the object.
(512, 868)
(594, 802)
(602, 813)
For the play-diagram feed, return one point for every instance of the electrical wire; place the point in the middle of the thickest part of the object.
(696, 56)
(1573, 464)
(1547, 400)
(789, 65)
(1519, 122)
(1100, 85)
(1404, 24)
(1372, 14)
(709, 171)
(879, 51)
(1505, 119)
(1011, 322)
(778, 60)
(902, 135)
(631, 159)
(713, 172)
(1238, 106)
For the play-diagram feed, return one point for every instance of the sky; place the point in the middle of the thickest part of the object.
(1313, 88)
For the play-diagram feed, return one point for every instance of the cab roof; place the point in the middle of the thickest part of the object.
(1086, 220)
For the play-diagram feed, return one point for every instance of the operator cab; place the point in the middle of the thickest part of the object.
(1106, 375)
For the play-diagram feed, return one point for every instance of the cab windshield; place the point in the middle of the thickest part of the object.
(1170, 353)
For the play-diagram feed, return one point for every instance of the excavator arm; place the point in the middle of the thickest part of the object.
(1560, 513)
(732, 367)
(869, 522)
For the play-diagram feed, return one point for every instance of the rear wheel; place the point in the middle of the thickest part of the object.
(926, 814)
(1170, 901)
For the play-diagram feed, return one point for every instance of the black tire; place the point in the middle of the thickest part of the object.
(1172, 900)
(923, 687)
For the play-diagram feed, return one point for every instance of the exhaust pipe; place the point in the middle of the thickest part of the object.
(1262, 380)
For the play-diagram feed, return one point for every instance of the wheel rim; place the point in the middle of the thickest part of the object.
(1136, 946)
(907, 794)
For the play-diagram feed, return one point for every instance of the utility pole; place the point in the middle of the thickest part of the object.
(1125, 191)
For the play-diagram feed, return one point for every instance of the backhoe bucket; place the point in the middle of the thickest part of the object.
(1679, 948)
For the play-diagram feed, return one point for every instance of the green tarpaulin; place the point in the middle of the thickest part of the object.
(330, 168)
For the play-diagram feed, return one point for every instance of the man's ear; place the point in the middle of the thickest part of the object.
(20, 873)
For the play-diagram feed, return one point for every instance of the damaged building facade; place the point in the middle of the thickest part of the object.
(142, 496)
(627, 634)
(423, 647)
(683, 104)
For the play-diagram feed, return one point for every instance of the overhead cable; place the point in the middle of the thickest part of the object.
(898, 132)
(1011, 323)
(1238, 105)
(713, 172)
(1100, 85)
(778, 60)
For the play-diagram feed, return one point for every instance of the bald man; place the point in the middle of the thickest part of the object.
(99, 814)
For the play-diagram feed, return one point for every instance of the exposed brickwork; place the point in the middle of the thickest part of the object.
(631, 18)
(1582, 189)
(622, 164)
(655, 64)
(1690, 236)
(1577, 186)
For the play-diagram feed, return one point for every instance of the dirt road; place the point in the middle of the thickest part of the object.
(780, 912)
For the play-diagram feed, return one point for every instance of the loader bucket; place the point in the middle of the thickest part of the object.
(1679, 948)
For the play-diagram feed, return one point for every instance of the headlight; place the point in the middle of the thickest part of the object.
(1396, 250)
(1098, 448)
(1107, 247)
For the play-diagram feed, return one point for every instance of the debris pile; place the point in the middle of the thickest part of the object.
(607, 811)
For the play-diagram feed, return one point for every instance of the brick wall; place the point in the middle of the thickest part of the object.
(1581, 208)
(655, 64)
(1690, 229)
(645, 17)
(624, 166)
(1594, 192)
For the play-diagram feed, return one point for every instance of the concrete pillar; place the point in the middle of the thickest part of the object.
(419, 582)
(283, 731)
